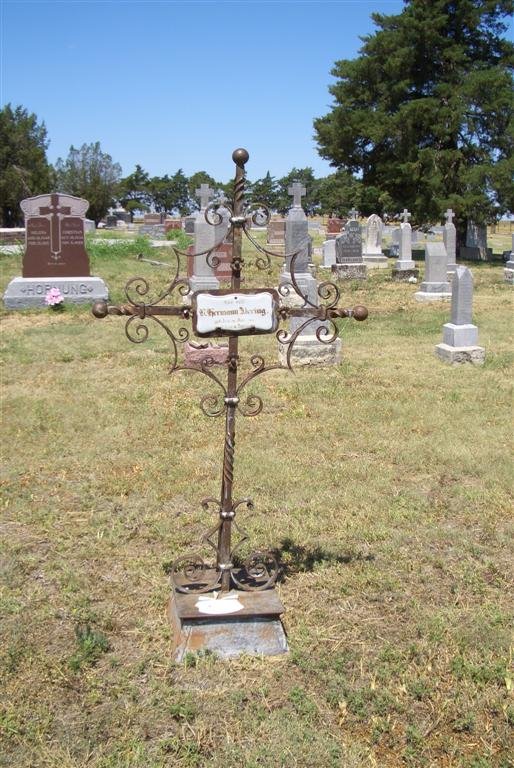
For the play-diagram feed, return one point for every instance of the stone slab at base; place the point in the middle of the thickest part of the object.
(196, 355)
(425, 296)
(460, 355)
(256, 629)
(308, 350)
(350, 271)
(404, 275)
(375, 262)
(508, 275)
(28, 292)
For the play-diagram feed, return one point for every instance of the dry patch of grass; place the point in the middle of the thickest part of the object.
(384, 484)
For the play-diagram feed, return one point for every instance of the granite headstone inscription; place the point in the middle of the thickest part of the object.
(349, 263)
(55, 254)
(55, 236)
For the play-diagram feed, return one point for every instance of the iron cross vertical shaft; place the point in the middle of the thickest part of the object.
(240, 158)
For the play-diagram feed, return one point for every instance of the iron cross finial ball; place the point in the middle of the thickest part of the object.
(240, 157)
(99, 309)
(360, 312)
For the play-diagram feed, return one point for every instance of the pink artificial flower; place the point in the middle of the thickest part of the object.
(53, 297)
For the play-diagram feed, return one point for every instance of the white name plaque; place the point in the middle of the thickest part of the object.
(225, 313)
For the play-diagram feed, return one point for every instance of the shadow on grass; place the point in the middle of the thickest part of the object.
(295, 558)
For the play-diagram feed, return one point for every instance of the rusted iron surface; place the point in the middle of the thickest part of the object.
(191, 574)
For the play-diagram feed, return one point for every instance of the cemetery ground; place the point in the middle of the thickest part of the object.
(383, 484)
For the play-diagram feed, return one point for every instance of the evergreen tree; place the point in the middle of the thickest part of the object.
(24, 171)
(170, 193)
(425, 113)
(264, 191)
(310, 202)
(133, 191)
(89, 173)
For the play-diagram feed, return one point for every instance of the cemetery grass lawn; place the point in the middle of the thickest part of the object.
(384, 484)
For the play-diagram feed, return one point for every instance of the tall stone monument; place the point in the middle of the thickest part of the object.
(201, 274)
(55, 254)
(349, 262)
(435, 286)
(308, 349)
(373, 255)
(450, 240)
(405, 268)
(460, 336)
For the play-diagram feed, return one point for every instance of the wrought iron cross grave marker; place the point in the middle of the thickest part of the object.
(230, 313)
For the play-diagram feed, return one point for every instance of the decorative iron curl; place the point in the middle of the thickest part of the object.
(258, 213)
(329, 293)
(253, 404)
(190, 573)
(327, 334)
(212, 405)
(212, 214)
(260, 570)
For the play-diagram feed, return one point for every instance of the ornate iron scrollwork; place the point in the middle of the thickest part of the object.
(259, 570)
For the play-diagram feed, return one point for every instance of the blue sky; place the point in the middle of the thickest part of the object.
(174, 85)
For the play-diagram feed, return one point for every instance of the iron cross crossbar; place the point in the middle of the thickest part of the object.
(260, 570)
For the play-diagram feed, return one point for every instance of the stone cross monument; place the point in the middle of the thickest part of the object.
(450, 240)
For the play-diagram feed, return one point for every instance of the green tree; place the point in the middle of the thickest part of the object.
(24, 170)
(170, 193)
(133, 191)
(425, 113)
(310, 202)
(89, 173)
(264, 191)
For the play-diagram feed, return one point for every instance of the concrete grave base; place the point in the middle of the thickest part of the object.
(460, 355)
(255, 629)
(198, 354)
(432, 296)
(350, 271)
(308, 350)
(28, 292)
(375, 261)
(508, 274)
(404, 275)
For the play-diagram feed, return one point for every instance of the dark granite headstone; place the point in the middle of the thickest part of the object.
(349, 244)
(55, 236)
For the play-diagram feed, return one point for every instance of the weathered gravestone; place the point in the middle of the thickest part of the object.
(349, 262)
(334, 227)
(373, 255)
(450, 240)
(435, 286)
(227, 602)
(329, 254)
(201, 272)
(460, 336)
(476, 243)
(308, 349)
(405, 269)
(276, 232)
(55, 254)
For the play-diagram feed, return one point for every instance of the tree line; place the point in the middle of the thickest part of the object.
(90, 173)
(422, 118)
